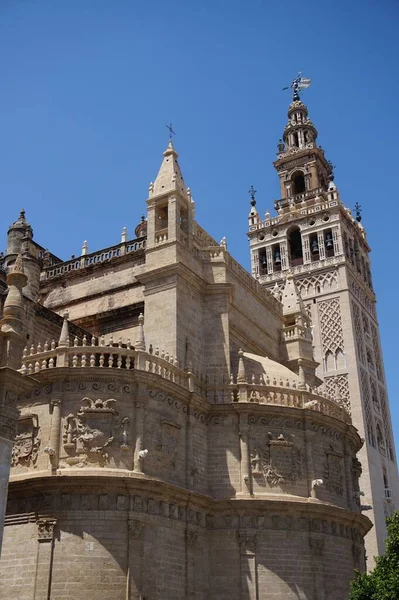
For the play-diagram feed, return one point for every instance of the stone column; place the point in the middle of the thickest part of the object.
(139, 420)
(135, 557)
(249, 575)
(44, 564)
(307, 259)
(350, 488)
(243, 430)
(309, 456)
(8, 424)
(322, 249)
(317, 548)
(53, 449)
(191, 540)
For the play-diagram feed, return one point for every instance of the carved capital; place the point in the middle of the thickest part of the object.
(45, 529)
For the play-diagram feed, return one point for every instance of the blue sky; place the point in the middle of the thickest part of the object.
(87, 87)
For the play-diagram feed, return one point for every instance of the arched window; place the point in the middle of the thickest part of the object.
(276, 253)
(328, 242)
(295, 247)
(262, 262)
(385, 477)
(295, 140)
(298, 183)
(329, 361)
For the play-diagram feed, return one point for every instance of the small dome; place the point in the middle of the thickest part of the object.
(141, 229)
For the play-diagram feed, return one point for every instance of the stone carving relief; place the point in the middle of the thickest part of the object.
(168, 444)
(359, 333)
(279, 461)
(315, 284)
(90, 432)
(333, 471)
(339, 383)
(332, 338)
(45, 529)
(247, 542)
(365, 391)
(27, 442)
(377, 354)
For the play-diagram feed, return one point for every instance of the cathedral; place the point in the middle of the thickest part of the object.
(173, 427)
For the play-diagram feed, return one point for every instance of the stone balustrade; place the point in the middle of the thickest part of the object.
(98, 353)
(81, 262)
(287, 393)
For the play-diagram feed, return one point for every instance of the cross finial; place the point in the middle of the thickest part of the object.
(171, 132)
(252, 193)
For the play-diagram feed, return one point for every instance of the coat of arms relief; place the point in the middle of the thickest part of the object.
(167, 444)
(27, 443)
(278, 461)
(91, 431)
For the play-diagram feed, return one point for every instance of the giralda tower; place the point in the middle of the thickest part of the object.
(317, 239)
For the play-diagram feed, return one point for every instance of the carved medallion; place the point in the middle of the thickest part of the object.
(168, 443)
(27, 442)
(90, 432)
(333, 471)
(279, 461)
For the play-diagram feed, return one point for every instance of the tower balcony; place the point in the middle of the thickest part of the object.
(299, 198)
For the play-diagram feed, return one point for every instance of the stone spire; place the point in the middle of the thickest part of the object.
(291, 299)
(169, 178)
(64, 336)
(11, 325)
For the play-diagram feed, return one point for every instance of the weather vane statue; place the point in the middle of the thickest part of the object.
(299, 83)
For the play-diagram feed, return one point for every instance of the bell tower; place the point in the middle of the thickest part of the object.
(316, 240)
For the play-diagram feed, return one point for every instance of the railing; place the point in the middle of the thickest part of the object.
(287, 393)
(294, 332)
(201, 237)
(77, 264)
(252, 283)
(161, 236)
(99, 354)
(297, 198)
(102, 355)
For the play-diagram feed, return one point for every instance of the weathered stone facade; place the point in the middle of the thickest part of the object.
(173, 441)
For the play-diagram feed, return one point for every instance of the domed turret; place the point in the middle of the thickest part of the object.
(141, 229)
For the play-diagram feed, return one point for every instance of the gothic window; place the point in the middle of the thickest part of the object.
(385, 478)
(329, 361)
(298, 182)
(328, 242)
(295, 247)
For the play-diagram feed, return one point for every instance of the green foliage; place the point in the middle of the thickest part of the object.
(383, 582)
